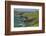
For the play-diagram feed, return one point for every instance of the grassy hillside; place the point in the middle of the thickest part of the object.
(33, 15)
(32, 20)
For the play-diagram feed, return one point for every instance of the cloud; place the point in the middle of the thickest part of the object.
(25, 10)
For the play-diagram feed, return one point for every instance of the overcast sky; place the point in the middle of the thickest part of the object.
(25, 10)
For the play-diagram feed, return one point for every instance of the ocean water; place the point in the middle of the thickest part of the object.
(19, 21)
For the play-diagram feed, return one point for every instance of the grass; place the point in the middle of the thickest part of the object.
(33, 15)
(33, 23)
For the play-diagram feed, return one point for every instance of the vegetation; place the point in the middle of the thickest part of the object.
(27, 19)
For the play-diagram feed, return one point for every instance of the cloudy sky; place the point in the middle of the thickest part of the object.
(25, 10)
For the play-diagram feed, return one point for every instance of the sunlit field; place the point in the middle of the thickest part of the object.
(26, 19)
